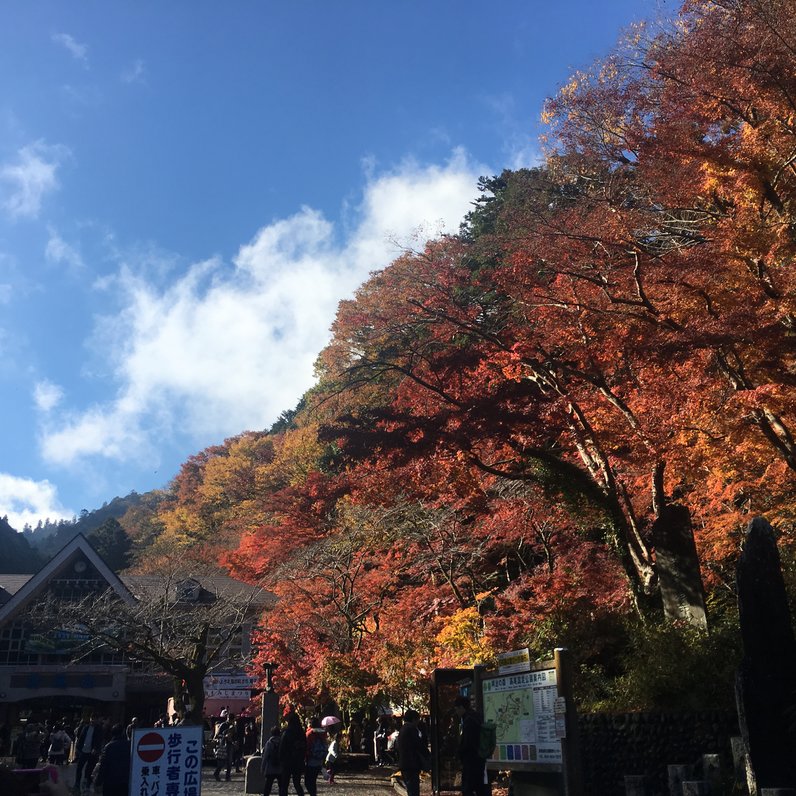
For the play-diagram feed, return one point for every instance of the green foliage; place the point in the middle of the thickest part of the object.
(286, 420)
(113, 544)
(50, 536)
(349, 684)
(17, 554)
(667, 667)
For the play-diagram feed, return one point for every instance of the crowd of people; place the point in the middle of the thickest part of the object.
(100, 752)
(292, 754)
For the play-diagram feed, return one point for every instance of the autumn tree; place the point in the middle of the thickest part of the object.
(604, 312)
(508, 422)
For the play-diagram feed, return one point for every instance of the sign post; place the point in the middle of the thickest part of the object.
(446, 685)
(533, 710)
(166, 761)
(522, 707)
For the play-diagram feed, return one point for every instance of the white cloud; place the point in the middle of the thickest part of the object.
(27, 501)
(226, 348)
(111, 432)
(47, 395)
(524, 153)
(6, 292)
(30, 178)
(59, 251)
(135, 73)
(78, 51)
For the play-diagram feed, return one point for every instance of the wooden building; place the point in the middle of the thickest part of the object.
(42, 677)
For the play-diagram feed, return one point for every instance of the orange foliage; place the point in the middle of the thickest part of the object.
(501, 417)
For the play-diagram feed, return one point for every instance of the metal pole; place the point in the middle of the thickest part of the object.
(570, 745)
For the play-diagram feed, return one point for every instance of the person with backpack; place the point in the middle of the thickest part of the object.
(474, 782)
(113, 771)
(225, 747)
(316, 754)
(59, 743)
(412, 753)
(270, 762)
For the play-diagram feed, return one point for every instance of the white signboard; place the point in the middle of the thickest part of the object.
(166, 762)
(229, 682)
(516, 661)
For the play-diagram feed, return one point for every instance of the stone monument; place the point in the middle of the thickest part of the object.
(766, 685)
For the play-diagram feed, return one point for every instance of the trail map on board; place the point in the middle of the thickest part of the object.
(522, 709)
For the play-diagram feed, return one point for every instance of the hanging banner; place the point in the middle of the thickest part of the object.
(229, 682)
(166, 761)
(228, 693)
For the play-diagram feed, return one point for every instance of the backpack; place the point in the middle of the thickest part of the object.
(487, 740)
(316, 752)
(272, 750)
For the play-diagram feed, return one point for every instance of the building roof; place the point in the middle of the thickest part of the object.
(17, 590)
(11, 584)
(211, 583)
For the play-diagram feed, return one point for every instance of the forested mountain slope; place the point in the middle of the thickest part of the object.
(505, 423)
(18, 557)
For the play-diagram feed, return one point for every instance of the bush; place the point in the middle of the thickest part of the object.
(668, 666)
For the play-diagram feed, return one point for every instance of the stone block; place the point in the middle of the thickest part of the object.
(676, 775)
(255, 779)
(635, 785)
(696, 787)
(738, 757)
(711, 771)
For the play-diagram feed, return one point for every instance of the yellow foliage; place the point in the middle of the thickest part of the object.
(297, 454)
(461, 642)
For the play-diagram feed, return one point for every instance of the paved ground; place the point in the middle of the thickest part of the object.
(375, 782)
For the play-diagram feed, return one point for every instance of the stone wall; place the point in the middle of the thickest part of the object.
(613, 745)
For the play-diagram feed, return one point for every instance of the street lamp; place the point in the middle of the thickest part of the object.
(269, 673)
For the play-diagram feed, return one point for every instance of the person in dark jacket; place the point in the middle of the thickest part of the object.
(412, 754)
(113, 771)
(270, 761)
(292, 753)
(88, 746)
(29, 746)
(473, 766)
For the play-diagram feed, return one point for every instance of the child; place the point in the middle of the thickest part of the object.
(331, 757)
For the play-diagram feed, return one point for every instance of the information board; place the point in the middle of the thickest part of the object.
(166, 761)
(522, 707)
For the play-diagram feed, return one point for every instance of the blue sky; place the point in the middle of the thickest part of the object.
(187, 189)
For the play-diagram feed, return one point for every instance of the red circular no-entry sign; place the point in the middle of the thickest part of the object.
(151, 747)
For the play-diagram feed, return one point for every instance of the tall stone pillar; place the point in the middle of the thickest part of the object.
(678, 567)
(766, 686)
(269, 711)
